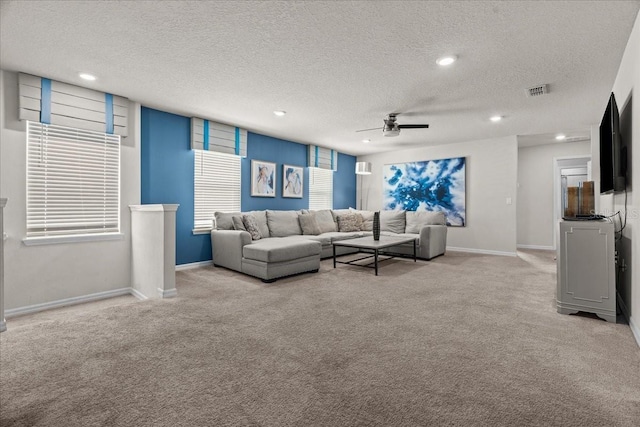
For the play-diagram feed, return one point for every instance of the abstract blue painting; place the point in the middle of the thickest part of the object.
(431, 185)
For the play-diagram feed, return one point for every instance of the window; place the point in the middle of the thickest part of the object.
(217, 184)
(73, 182)
(320, 188)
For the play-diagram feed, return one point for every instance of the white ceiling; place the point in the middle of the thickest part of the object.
(336, 67)
(580, 135)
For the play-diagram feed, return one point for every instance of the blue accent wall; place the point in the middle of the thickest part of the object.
(167, 176)
(344, 182)
(278, 151)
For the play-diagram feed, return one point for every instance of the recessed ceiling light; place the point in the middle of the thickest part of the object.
(496, 118)
(446, 60)
(86, 76)
(561, 137)
(366, 141)
(279, 113)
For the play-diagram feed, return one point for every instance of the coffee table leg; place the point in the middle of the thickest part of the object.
(414, 251)
(376, 261)
(334, 256)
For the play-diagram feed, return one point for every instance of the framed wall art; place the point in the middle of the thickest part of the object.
(430, 185)
(292, 181)
(263, 179)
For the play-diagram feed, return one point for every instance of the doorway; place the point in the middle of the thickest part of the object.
(569, 172)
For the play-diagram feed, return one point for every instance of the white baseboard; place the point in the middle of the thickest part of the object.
(136, 293)
(193, 265)
(635, 330)
(67, 301)
(169, 293)
(481, 251)
(538, 247)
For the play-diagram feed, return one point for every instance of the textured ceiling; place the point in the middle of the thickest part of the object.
(336, 67)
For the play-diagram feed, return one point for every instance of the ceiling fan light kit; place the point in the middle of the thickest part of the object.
(392, 128)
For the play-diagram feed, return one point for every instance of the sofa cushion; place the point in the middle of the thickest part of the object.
(349, 222)
(415, 220)
(283, 223)
(308, 224)
(251, 225)
(338, 212)
(278, 250)
(224, 220)
(322, 238)
(261, 219)
(393, 221)
(237, 223)
(367, 219)
(325, 220)
(336, 235)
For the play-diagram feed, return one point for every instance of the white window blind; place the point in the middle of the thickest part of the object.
(73, 181)
(217, 184)
(320, 188)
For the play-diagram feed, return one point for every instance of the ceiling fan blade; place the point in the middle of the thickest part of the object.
(366, 130)
(413, 126)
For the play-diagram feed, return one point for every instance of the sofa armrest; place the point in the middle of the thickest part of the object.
(226, 247)
(433, 240)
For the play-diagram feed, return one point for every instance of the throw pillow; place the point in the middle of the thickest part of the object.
(325, 221)
(367, 219)
(309, 224)
(251, 225)
(350, 222)
(224, 220)
(393, 221)
(416, 220)
(237, 223)
(283, 223)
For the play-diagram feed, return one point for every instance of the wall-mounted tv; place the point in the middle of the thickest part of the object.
(613, 154)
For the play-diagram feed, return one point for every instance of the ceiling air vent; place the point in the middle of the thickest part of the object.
(538, 90)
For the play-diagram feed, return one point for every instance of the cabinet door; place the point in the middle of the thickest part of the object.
(587, 267)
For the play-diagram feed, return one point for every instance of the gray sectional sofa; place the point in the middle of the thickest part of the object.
(272, 244)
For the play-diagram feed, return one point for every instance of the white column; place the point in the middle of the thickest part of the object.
(3, 323)
(153, 241)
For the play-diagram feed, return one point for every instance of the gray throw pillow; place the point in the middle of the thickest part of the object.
(325, 221)
(367, 219)
(224, 220)
(251, 225)
(393, 221)
(309, 224)
(237, 223)
(283, 223)
(416, 220)
(350, 222)
(261, 220)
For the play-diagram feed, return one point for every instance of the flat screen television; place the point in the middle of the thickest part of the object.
(613, 156)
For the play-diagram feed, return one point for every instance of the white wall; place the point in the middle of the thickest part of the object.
(536, 193)
(627, 79)
(47, 273)
(491, 173)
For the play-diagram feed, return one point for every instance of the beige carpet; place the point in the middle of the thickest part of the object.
(461, 340)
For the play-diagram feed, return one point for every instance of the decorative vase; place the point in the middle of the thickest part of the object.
(376, 225)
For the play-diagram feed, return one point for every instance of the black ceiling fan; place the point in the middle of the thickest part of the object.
(392, 128)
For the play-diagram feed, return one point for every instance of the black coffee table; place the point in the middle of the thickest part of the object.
(368, 244)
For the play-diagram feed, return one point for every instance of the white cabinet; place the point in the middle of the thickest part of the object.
(586, 269)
